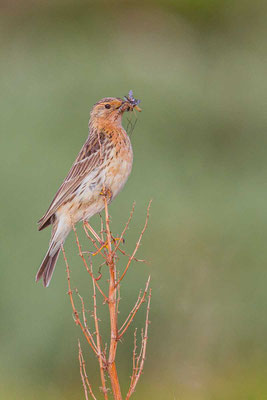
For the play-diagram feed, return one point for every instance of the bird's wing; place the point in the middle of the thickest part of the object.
(89, 157)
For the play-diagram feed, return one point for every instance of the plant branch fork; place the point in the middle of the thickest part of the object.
(108, 247)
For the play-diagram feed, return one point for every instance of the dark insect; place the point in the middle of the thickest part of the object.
(131, 99)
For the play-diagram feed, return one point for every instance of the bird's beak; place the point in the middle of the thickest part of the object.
(137, 108)
(127, 106)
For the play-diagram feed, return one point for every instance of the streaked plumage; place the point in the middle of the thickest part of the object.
(105, 161)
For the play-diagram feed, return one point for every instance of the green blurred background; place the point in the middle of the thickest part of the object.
(199, 68)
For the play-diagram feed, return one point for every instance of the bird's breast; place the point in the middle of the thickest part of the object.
(119, 166)
(112, 174)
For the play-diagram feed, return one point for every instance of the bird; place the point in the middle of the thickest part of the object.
(103, 163)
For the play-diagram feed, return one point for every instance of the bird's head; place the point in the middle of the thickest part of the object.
(111, 109)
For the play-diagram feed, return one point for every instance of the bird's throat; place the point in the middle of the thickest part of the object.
(106, 124)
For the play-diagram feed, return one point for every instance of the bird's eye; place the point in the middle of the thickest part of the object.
(107, 105)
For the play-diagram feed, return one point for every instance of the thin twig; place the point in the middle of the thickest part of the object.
(85, 320)
(75, 312)
(131, 316)
(101, 228)
(125, 228)
(134, 359)
(98, 341)
(142, 354)
(84, 376)
(118, 298)
(131, 312)
(86, 223)
(137, 244)
(134, 258)
(86, 266)
(98, 249)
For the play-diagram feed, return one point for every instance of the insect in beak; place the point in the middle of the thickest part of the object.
(133, 103)
(137, 108)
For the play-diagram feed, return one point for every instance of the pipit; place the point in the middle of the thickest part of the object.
(102, 167)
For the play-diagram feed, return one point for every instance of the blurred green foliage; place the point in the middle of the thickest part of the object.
(199, 68)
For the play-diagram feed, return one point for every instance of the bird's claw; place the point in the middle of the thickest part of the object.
(106, 192)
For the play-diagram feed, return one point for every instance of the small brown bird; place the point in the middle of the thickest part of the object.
(105, 161)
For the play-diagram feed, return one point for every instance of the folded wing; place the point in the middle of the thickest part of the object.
(90, 157)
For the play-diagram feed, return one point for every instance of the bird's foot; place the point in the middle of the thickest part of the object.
(107, 193)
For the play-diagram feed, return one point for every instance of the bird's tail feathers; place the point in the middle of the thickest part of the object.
(48, 265)
(59, 233)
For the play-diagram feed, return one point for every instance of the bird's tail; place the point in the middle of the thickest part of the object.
(47, 267)
(59, 233)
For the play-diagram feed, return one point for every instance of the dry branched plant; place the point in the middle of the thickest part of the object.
(108, 248)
